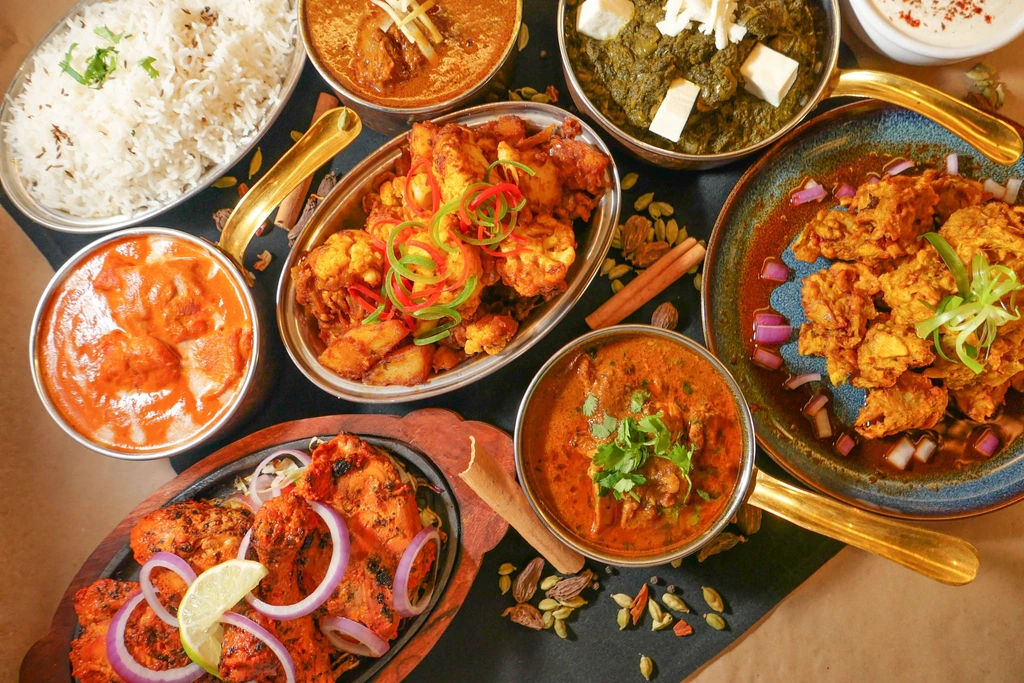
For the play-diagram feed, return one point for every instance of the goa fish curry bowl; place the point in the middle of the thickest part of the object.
(634, 445)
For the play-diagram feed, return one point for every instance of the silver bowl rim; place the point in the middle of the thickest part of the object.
(415, 112)
(61, 221)
(744, 481)
(61, 275)
(828, 68)
(436, 386)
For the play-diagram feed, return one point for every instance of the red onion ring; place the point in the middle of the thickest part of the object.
(814, 193)
(125, 666)
(401, 588)
(773, 334)
(900, 454)
(276, 646)
(953, 164)
(775, 271)
(1012, 190)
(368, 643)
(767, 358)
(800, 380)
(845, 444)
(845, 190)
(335, 571)
(900, 167)
(769, 319)
(254, 496)
(165, 561)
(816, 403)
(924, 449)
(988, 443)
(243, 547)
(822, 425)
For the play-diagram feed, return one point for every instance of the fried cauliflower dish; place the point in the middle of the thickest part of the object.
(920, 304)
(470, 232)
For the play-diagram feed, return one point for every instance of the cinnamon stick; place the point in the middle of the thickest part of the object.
(500, 491)
(648, 284)
(289, 210)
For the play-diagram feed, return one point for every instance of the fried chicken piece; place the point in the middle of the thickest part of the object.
(244, 657)
(99, 601)
(995, 229)
(955, 192)
(540, 262)
(838, 304)
(489, 334)
(915, 289)
(363, 485)
(912, 403)
(883, 223)
(979, 401)
(887, 352)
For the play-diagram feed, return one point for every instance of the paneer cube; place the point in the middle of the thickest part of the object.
(769, 74)
(670, 119)
(603, 19)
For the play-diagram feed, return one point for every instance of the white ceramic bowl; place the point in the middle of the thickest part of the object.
(874, 29)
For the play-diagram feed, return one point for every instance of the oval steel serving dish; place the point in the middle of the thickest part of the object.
(65, 222)
(343, 208)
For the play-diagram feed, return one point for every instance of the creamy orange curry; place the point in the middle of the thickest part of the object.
(437, 53)
(633, 445)
(144, 344)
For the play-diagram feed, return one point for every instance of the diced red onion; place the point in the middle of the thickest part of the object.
(254, 483)
(773, 334)
(845, 444)
(367, 643)
(401, 590)
(953, 164)
(988, 444)
(276, 646)
(1012, 190)
(335, 571)
(900, 167)
(811, 182)
(125, 666)
(845, 190)
(815, 405)
(800, 380)
(822, 425)
(766, 358)
(900, 454)
(872, 180)
(814, 193)
(174, 564)
(769, 319)
(925, 449)
(993, 188)
(776, 271)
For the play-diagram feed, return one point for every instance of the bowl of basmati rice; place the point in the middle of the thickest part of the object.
(127, 108)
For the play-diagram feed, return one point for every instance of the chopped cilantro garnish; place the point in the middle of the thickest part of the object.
(703, 494)
(66, 65)
(104, 32)
(602, 430)
(590, 405)
(147, 64)
(636, 403)
(687, 388)
(97, 69)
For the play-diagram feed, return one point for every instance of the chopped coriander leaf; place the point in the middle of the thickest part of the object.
(102, 64)
(590, 405)
(636, 403)
(604, 429)
(66, 65)
(704, 494)
(687, 388)
(147, 64)
(104, 32)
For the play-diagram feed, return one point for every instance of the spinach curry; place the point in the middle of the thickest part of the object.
(633, 445)
(627, 77)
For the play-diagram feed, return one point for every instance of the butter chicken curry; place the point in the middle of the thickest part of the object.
(633, 445)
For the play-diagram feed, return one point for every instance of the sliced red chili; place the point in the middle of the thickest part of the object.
(363, 303)
(432, 253)
(500, 188)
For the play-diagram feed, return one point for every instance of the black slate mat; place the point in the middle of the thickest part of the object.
(480, 645)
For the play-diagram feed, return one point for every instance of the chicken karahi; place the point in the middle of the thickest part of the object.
(472, 230)
(918, 307)
(343, 558)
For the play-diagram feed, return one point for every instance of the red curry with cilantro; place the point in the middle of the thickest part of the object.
(633, 445)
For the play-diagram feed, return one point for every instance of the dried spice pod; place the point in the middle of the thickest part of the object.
(548, 604)
(561, 629)
(665, 621)
(719, 544)
(622, 618)
(549, 619)
(648, 253)
(525, 615)
(505, 584)
(618, 271)
(629, 180)
(676, 563)
(562, 613)
(622, 600)
(646, 667)
(570, 588)
(748, 519)
(634, 233)
(575, 603)
(682, 629)
(617, 286)
(715, 621)
(666, 317)
(713, 599)
(657, 614)
(639, 604)
(643, 201)
(526, 583)
(674, 602)
(506, 569)
(606, 267)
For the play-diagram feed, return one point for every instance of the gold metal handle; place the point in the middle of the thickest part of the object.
(330, 134)
(994, 138)
(944, 558)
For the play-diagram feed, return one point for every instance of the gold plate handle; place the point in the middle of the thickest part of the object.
(944, 558)
(330, 134)
(996, 139)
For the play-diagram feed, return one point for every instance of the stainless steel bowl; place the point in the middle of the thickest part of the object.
(395, 120)
(252, 389)
(744, 482)
(65, 222)
(343, 209)
(994, 138)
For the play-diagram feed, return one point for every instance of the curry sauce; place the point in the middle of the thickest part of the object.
(640, 382)
(144, 344)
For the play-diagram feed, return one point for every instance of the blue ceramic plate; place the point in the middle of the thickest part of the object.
(757, 222)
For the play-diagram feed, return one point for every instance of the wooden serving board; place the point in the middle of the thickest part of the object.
(441, 435)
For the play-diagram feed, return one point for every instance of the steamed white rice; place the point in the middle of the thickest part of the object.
(141, 141)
